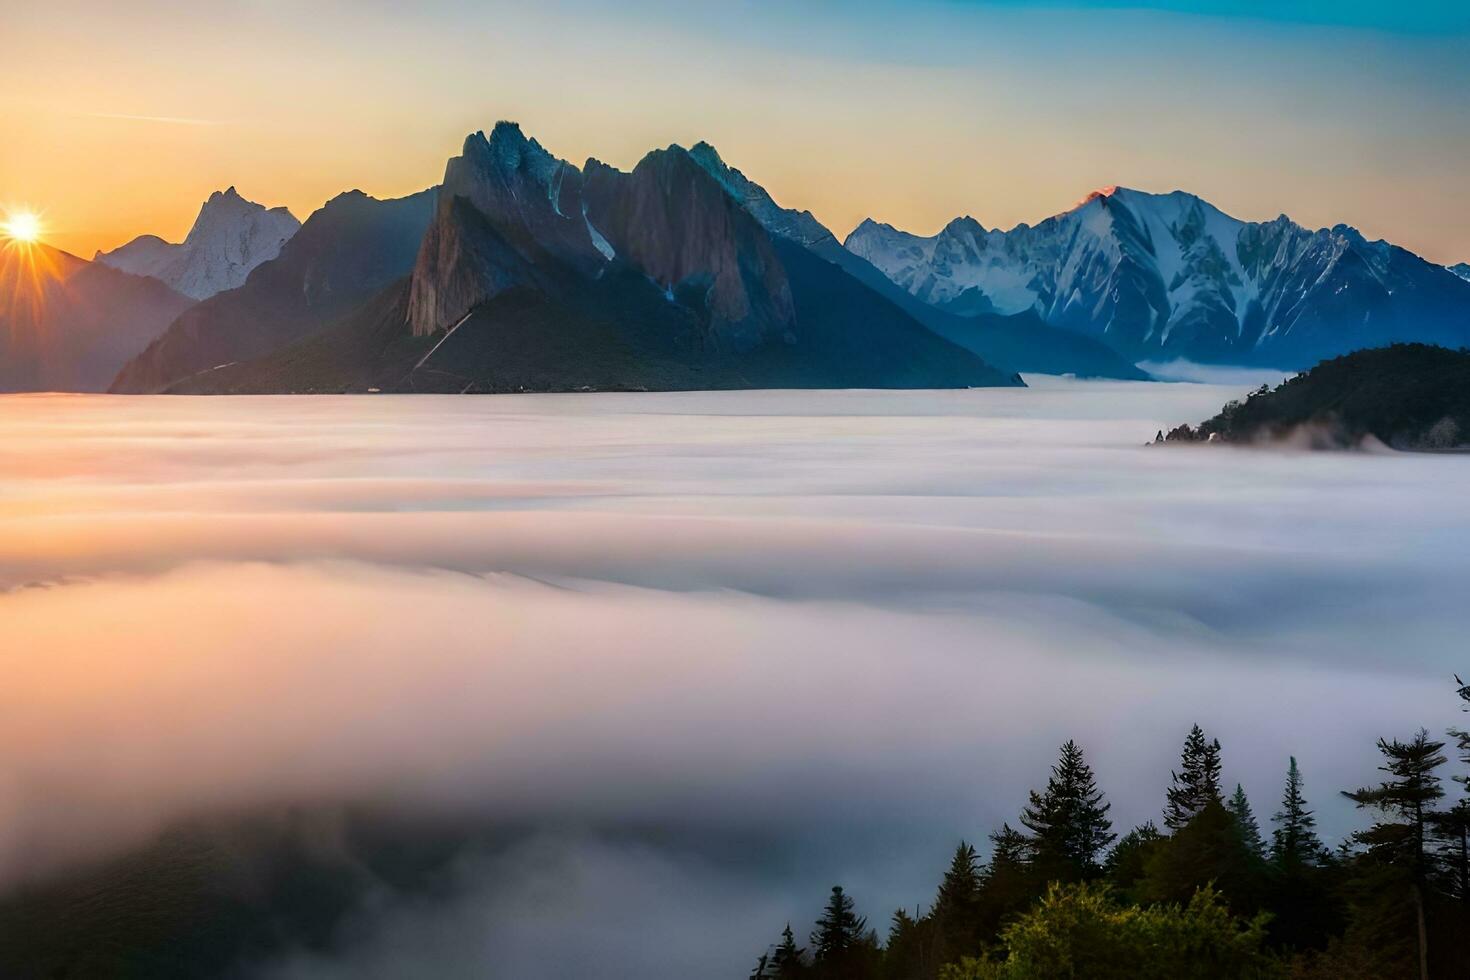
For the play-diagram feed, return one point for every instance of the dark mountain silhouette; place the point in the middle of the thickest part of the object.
(1408, 396)
(67, 324)
(535, 275)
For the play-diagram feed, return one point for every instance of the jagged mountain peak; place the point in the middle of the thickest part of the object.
(706, 154)
(1462, 270)
(230, 237)
(964, 225)
(799, 226)
(507, 149)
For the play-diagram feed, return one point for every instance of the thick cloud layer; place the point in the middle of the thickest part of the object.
(793, 638)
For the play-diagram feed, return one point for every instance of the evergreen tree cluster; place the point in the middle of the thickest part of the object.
(1211, 895)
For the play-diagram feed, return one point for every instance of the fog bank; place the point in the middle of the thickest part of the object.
(826, 633)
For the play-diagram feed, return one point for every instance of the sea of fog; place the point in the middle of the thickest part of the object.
(710, 653)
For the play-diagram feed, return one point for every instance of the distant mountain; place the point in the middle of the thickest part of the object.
(1462, 270)
(1408, 396)
(1162, 276)
(67, 324)
(230, 237)
(537, 275)
(1020, 342)
(344, 254)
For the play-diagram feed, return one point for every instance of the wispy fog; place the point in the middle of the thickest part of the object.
(709, 653)
(1215, 374)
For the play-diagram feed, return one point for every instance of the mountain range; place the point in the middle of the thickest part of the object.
(534, 274)
(523, 271)
(1165, 276)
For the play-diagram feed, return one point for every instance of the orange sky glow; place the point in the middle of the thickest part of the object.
(121, 122)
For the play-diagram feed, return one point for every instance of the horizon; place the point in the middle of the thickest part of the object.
(1010, 111)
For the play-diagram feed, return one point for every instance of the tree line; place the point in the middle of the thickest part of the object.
(1209, 894)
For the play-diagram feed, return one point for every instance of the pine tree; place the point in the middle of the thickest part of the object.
(1294, 842)
(956, 908)
(1069, 820)
(909, 953)
(961, 883)
(1408, 797)
(788, 959)
(839, 929)
(1250, 831)
(1462, 736)
(762, 969)
(1009, 849)
(1452, 828)
(1009, 882)
(1207, 849)
(1128, 860)
(1196, 783)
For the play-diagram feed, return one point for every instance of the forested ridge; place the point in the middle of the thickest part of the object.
(1407, 396)
(1210, 891)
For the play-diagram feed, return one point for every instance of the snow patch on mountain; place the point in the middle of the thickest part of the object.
(1462, 270)
(230, 237)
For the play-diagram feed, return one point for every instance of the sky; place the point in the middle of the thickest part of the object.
(120, 119)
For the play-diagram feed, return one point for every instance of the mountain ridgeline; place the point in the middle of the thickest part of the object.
(1167, 276)
(536, 275)
(525, 272)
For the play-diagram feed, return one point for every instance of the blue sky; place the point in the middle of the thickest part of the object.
(1411, 16)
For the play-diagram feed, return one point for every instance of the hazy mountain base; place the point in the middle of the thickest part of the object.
(1023, 342)
(1407, 396)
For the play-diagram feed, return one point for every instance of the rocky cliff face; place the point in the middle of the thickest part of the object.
(512, 215)
(674, 222)
(230, 238)
(1169, 275)
(507, 209)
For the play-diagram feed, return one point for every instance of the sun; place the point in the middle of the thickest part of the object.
(22, 226)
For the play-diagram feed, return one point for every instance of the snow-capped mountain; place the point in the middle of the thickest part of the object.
(1170, 275)
(230, 237)
(1462, 270)
(1019, 342)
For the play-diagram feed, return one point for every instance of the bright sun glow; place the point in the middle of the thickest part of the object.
(23, 226)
